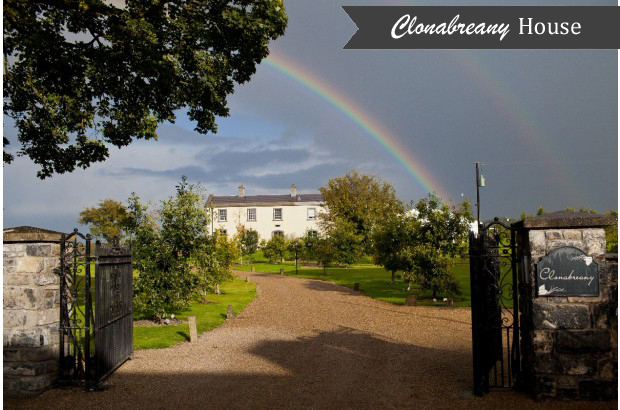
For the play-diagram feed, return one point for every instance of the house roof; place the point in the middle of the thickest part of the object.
(235, 200)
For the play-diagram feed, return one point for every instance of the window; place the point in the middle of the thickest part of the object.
(311, 214)
(277, 233)
(222, 215)
(277, 214)
(313, 234)
(223, 232)
(252, 214)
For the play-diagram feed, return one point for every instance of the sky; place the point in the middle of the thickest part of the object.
(543, 124)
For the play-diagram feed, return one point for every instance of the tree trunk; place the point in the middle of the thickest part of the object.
(217, 289)
(409, 284)
(393, 276)
(434, 293)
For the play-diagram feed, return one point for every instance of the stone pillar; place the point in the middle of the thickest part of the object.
(568, 343)
(31, 310)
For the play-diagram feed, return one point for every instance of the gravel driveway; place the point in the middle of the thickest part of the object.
(307, 344)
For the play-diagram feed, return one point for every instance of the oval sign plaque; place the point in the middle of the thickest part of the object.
(567, 271)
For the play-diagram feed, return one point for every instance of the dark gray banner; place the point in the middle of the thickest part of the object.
(484, 27)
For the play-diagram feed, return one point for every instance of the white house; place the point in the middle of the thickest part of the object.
(269, 215)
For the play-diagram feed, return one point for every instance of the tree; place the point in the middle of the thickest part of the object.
(308, 245)
(433, 271)
(441, 226)
(390, 239)
(325, 252)
(165, 253)
(355, 204)
(441, 231)
(82, 75)
(107, 220)
(213, 264)
(275, 249)
(248, 239)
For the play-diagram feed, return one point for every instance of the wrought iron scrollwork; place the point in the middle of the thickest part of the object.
(76, 313)
(495, 326)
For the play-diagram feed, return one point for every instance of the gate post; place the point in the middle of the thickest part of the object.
(568, 307)
(31, 310)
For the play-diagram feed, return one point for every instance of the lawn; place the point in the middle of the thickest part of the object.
(237, 293)
(374, 281)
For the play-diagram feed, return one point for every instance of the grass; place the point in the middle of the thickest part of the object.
(237, 293)
(374, 281)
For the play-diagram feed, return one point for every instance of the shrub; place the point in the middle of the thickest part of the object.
(275, 249)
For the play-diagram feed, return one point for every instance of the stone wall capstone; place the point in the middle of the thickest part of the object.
(568, 343)
(31, 310)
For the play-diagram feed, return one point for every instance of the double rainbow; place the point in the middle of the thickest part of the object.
(361, 118)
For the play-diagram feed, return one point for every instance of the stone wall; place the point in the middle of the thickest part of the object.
(31, 310)
(569, 344)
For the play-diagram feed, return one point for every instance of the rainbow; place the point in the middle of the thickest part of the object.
(530, 129)
(361, 118)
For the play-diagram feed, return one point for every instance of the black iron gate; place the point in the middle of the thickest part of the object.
(95, 335)
(113, 307)
(494, 307)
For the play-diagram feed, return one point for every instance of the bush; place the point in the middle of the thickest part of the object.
(275, 249)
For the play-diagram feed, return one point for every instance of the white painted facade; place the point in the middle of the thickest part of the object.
(289, 215)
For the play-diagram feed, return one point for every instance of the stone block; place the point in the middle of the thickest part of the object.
(11, 385)
(537, 242)
(567, 393)
(20, 298)
(594, 241)
(13, 279)
(551, 245)
(48, 316)
(567, 381)
(39, 249)
(564, 364)
(37, 354)
(12, 355)
(543, 341)
(582, 342)
(546, 386)
(46, 279)
(51, 366)
(36, 383)
(573, 235)
(24, 369)
(14, 318)
(597, 389)
(29, 337)
(49, 298)
(30, 264)
(601, 316)
(552, 316)
(608, 369)
(553, 235)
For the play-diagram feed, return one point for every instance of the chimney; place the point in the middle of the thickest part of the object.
(293, 191)
(241, 193)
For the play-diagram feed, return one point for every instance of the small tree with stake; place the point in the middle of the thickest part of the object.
(248, 240)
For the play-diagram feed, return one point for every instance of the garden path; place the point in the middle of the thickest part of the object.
(306, 344)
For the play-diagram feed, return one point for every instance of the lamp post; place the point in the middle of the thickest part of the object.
(479, 183)
(296, 257)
